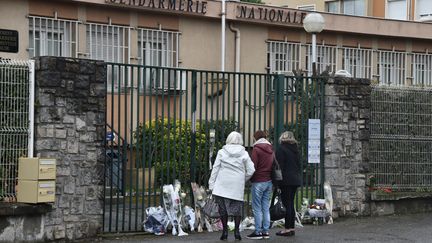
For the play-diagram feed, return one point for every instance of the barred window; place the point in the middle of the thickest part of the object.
(283, 56)
(358, 62)
(110, 43)
(391, 68)
(160, 48)
(52, 37)
(325, 59)
(422, 69)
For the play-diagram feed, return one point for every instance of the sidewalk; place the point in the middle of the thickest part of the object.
(388, 229)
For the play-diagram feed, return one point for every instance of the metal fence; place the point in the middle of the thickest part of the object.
(16, 121)
(159, 125)
(401, 138)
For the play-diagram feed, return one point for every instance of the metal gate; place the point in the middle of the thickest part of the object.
(165, 124)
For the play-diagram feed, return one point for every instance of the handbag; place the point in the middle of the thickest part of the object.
(276, 174)
(211, 207)
(277, 211)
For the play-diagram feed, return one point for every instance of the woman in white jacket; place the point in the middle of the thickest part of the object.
(231, 169)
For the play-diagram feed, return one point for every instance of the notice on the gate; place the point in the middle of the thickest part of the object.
(314, 141)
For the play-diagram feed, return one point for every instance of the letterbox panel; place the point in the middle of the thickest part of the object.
(47, 169)
(28, 168)
(46, 191)
(36, 169)
(35, 191)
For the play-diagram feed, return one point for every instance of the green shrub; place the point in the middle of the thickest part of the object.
(167, 145)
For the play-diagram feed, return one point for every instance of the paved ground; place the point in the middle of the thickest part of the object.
(388, 229)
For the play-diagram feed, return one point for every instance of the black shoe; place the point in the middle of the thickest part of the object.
(237, 235)
(224, 235)
(254, 236)
(265, 235)
(289, 233)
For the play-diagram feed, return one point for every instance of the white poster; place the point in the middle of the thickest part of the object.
(314, 141)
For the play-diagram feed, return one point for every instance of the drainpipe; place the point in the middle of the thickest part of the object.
(409, 9)
(237, 68)
(223, 13)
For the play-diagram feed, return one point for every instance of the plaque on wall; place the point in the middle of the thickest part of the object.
(8, 40)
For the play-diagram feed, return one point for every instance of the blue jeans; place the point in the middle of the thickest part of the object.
(260, 205)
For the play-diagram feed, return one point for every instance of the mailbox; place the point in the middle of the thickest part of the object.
(36, 180)
(36, 191)
(36, 169)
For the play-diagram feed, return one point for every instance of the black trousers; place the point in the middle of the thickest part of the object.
(288, 194)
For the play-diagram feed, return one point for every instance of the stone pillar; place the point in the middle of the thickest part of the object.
(347, 113)
(70, 126)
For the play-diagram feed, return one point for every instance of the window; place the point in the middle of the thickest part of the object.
(52, 37)
(422, 69)
(354, 7)
(422, 7)
(160, 48)
(110, 43)
(283, 58)
(358, 62)
(391, 68)
(332, 7)
(307, 7)
(397, 9)
(325, 58)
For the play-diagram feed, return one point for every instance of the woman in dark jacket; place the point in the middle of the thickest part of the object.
(287, 155)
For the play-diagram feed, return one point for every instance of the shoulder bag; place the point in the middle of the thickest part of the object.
(276, 174)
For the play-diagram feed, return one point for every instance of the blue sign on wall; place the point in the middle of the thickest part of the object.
(110, 136)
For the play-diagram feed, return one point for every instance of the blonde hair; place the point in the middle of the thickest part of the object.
(287, 137)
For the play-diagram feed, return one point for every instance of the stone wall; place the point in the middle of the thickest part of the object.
(70, 126)
(347, 113)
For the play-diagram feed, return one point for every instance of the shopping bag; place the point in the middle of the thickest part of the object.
(211, 208)
(277, 210)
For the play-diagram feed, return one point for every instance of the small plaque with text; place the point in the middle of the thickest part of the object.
(8, 40)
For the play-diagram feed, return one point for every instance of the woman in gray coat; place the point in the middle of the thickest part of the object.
(231, 169)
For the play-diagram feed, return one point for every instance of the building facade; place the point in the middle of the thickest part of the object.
(187, 34)
(413, 10)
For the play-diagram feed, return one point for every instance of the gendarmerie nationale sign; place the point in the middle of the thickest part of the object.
(270, 14)
(8, 40)
(191, 6)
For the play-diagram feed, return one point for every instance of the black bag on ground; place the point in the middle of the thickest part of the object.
(277, 211)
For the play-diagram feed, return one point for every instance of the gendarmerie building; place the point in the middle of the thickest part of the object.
(187, 33)
(157, 38)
